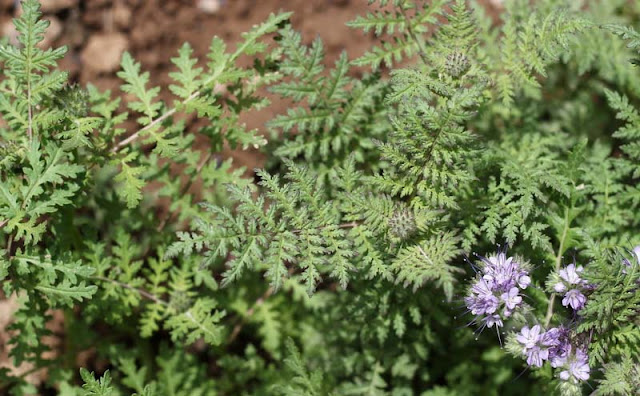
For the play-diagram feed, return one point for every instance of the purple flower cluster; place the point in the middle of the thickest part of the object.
(554, 345)
(572, 286)
(538, 345)
(496, 292)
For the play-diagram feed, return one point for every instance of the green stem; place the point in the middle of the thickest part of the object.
(558, 261)
(414, 36)
(184, 190)
(142, 292)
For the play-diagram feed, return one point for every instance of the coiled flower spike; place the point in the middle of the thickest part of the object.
(496, 292)
(554, 345)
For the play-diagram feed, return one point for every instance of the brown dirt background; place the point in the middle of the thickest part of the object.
(98, 31)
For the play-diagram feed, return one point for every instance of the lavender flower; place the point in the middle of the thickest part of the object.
(575, 299)
(524, 281)
(558, 342)
(482, 301)
(571, 274)
(559, 287)
(512, 298)
(534, 349)
(572, 285)
(496, 292)
(577, 368)
(492, 320)
(536, 356)
(529, 337)
(539, 345)
(504, 272)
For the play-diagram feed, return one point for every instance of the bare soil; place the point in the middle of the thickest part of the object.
(97, 32)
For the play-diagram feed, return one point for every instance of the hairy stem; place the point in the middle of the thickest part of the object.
(9, 243)
(250, 312)
(558, 261)
(30, 125)
(155, 122)
(163, 117)
(343, 225)
(414, 36)
(142, 292)
(185, 189)
(29, 69)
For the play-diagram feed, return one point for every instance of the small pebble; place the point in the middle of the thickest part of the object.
(210, 6)
(121, 15)
(57, 5)
(103, 52)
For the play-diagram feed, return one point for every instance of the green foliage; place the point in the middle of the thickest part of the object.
(30, 78)
(531, 41)
(295, 228)
(612, 314)
(403, 28)
(93, 387)
(630, 133)
(303, 383)
(429, 262)
(621, 378)
(430, 144)
(24, 200)
(336, 116)
(338, 270)
(195, 91)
